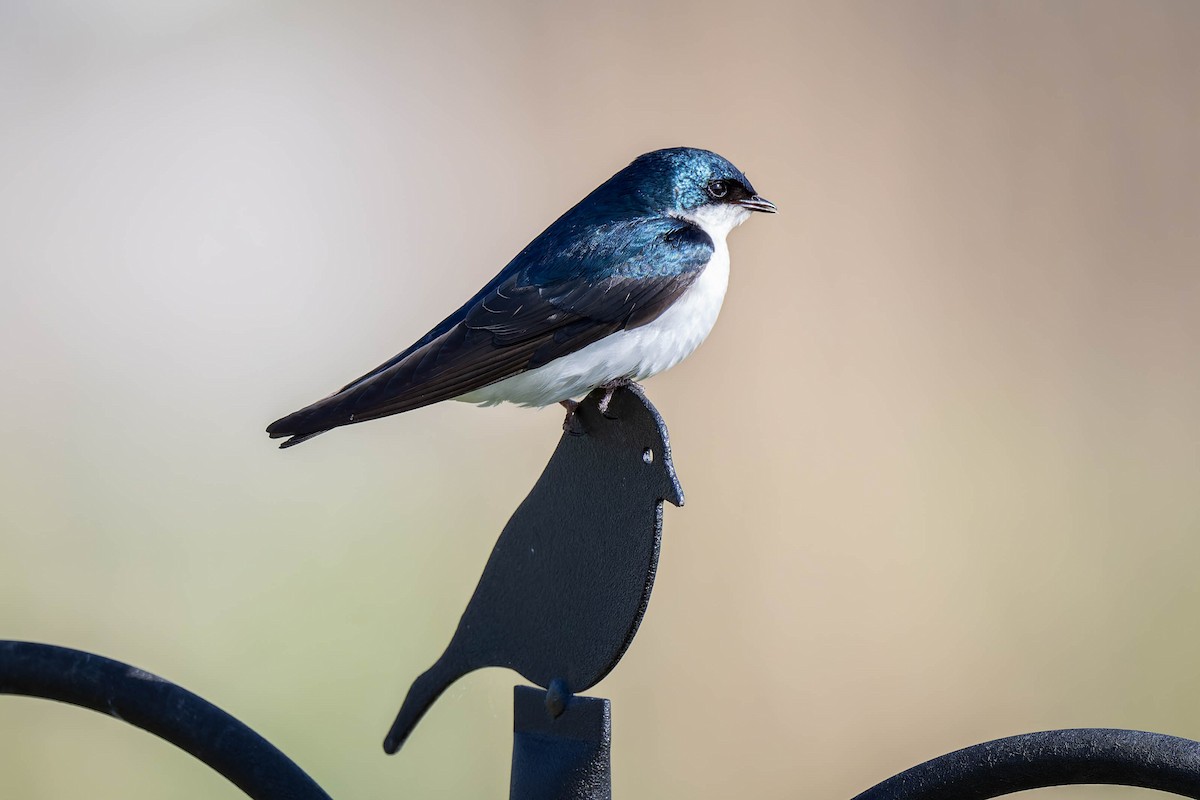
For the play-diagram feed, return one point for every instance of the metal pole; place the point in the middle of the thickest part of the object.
(560, 758)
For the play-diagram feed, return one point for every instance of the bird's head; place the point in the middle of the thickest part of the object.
(697, 185)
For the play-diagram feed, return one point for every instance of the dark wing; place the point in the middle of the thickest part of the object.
(524, 319)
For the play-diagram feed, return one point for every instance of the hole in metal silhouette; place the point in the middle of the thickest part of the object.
(569, 579)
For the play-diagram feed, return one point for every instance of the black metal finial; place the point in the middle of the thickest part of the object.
(568, 582)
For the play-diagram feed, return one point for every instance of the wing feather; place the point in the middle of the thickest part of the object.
(523, 319)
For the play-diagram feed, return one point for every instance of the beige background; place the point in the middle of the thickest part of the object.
(942, 452)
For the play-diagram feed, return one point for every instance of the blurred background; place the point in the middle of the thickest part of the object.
(941, 453)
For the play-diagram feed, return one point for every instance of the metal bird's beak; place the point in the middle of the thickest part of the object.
(757, 203)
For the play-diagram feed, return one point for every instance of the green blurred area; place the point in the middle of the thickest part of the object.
(941, 453)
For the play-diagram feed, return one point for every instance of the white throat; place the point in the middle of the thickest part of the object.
(717, 219)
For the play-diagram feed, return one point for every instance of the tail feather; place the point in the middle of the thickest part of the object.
(297, 439)
(309, 421)
(425, 690)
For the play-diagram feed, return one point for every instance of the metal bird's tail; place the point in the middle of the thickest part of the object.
(425, 690)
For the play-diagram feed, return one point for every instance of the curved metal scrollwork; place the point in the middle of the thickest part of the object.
(171, 712)
(1051, 758)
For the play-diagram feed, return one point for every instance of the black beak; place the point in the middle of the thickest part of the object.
(756, 203)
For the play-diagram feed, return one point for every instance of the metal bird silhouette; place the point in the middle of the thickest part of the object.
(569, 579)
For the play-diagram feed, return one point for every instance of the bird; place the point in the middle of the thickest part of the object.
(624, 285)
(569, 579)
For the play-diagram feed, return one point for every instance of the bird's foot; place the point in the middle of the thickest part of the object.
(571, 423)
(557, 696)
(610, 389)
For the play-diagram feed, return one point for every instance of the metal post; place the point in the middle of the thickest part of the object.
(563, 758)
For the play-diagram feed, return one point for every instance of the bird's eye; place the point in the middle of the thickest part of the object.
(718, 189)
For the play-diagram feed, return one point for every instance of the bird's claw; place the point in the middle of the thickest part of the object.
(610, 389)
(571, 423)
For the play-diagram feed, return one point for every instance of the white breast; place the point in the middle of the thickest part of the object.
(640, 352)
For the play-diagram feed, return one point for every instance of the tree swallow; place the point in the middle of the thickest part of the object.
(619, 288)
